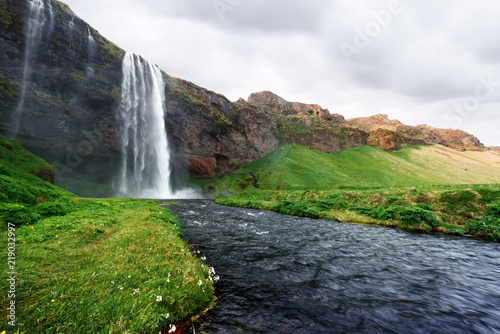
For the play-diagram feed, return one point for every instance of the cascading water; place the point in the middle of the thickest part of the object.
(35, 24)
(51, 16)
(92, 49)
(145, 161)
(71, 25)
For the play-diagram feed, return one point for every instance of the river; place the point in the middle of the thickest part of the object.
(284, 274)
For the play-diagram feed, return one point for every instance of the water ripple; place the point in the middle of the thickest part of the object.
(282, 274)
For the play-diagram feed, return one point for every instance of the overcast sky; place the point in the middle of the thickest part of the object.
(421, 62)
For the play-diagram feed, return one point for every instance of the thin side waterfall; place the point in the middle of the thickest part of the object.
(35, 23)
(71, 25)
(145, 160)
(91, 52)
(51, 15)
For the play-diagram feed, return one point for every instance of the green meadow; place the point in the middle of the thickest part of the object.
(91, 265)
(293, 166)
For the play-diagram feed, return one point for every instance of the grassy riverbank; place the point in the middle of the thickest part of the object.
(92, 265)
(422, 188)
(450, 209)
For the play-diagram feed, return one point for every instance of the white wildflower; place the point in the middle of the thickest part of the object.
(159, 298)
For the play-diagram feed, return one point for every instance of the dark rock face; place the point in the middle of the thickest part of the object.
(213, 134)
(68, 114)
(74, 89)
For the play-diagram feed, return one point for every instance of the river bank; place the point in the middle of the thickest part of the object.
(453, 209)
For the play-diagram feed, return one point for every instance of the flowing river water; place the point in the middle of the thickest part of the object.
(284, 274)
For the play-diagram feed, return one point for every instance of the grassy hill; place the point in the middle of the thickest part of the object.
(90, 265)
(425, 189)
(296, 167)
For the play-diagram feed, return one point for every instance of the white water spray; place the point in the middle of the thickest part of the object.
(145, 161)
(35, 24)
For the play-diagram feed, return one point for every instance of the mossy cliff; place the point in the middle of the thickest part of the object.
(68, 115)
(71, 93)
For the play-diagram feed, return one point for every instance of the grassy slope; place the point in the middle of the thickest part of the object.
(11, 151)
(428, 188)
(294, 166)
(97, 266)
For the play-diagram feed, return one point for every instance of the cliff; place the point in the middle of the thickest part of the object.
(72, 90)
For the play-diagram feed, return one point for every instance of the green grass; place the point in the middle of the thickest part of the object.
(296, 167)
(18, 156)
(94, 265)
(449, 209)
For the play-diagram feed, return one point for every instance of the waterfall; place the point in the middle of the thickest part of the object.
(35, 23)
(145, 160)
(92, 49)
(71, 25)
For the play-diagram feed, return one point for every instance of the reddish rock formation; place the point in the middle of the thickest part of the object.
(391, 135)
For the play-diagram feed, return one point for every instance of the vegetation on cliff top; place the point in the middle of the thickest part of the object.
(100, 266)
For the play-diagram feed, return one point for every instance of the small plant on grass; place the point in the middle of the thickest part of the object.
(414, 216)
(296, 209)
(489, 226)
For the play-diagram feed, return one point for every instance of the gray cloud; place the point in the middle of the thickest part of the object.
(416, 67)
(265, 16)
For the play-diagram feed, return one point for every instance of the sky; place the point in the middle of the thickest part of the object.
(421, 62)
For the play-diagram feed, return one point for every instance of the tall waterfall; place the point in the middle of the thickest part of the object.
(145, 161)
(35, 24)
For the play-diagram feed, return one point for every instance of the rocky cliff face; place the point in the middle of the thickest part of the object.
(71, 91)
(68, 115)
(211, 133)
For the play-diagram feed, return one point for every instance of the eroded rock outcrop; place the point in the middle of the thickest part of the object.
(271, 102)
(391, 135)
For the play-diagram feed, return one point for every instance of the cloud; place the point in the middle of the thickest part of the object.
(282, 16)
(417, 64)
